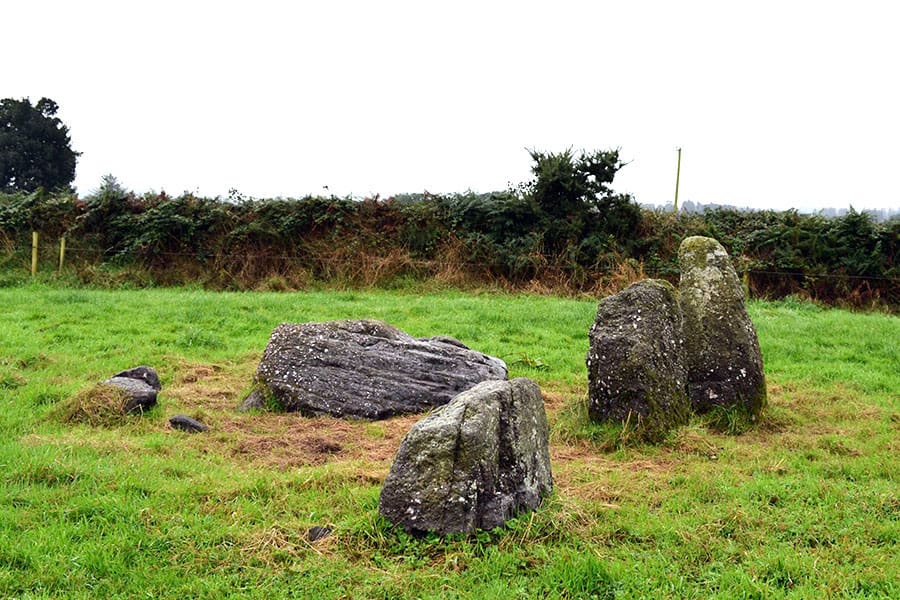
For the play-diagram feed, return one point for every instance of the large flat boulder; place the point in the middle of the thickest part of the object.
(366, 369)
(473, 463)
(725, 366)
(637, 371)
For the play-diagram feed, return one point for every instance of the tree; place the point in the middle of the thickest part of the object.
(566, 186)
(575, 196)
(35, 149)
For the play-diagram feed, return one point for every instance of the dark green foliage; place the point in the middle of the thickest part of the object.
(576, 202)
(565, 186)
(106, 219)
(501, 232)
(537, 233)
(850, 258)
(567, 217)
(35, 150)
(49, 214)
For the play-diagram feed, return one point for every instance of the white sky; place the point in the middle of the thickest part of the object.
(776, 104)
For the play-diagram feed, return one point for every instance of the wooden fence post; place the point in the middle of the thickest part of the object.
(62, 252)
(34, 252)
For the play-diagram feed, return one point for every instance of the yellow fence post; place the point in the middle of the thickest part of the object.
(62, 252)
(34, 252)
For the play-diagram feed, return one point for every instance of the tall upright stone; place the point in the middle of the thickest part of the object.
(725, 366)
(636, 364)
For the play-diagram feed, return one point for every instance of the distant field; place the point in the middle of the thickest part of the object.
(807, 505)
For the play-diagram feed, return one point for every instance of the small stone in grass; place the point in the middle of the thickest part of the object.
(317, 533)
(185, 423)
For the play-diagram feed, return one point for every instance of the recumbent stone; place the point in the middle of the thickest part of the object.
(366, 369)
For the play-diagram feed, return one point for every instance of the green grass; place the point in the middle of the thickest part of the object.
(807, 505)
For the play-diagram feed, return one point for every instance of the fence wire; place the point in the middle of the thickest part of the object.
(470, 264)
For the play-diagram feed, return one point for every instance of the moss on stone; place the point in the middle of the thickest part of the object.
(472, 463)
(724, 361)
(636, 366)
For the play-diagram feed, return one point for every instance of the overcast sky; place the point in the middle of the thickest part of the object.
(775, 104)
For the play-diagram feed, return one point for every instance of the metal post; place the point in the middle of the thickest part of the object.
(62, 252)
(677, 179)
(34, 252)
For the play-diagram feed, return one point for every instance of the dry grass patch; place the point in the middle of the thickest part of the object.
(693, 440)
(210, 388)
(274, 546)
(99, 406)
(282, 441)
(582, 474)
(555, 400)
(285, 441)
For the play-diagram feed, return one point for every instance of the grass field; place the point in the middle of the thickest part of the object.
(807, 505)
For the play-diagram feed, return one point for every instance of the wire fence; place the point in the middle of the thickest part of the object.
(444, 263)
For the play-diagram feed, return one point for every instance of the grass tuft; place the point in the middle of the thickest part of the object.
(99, 406)
(732, 420)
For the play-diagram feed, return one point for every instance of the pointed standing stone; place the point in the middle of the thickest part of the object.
(725, 367)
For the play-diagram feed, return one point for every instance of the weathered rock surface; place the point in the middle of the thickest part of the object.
(146, 374)
(254, 401)
(318, 532)
(637, 372)
(473, 463)
(141, 384)
(366, 369)
(725, 367)
(186, 423)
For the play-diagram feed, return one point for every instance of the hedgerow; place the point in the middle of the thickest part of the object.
(507, 238)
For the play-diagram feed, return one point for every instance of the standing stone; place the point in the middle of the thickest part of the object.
(725, 367)
(365, 369)
(473, 463)
(636, 365)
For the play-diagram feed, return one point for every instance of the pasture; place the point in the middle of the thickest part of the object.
(804, 505)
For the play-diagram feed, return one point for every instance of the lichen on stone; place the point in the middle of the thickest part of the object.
(636, 364)
(473, 463)
(725, 368)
